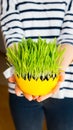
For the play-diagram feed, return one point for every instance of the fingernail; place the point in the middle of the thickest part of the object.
(30, 99)
(38, 100)
(18, 93)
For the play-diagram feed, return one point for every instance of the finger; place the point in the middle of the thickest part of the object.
(56, 88)
(35, 97)
(18, 91)
(11, 79)
(28, 96)
(42, 98)
(62, 76)
(61, 79)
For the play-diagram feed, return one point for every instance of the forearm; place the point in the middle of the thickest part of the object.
(68, 55)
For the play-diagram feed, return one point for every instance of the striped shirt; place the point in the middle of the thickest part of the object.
(44, 18)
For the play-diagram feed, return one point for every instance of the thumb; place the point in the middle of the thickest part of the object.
(60, 80)
(17, 90)
(61, 76)
(11, 79)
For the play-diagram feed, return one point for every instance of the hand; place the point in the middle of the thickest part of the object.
(38, 98)
(27, 96)
(19, 92)
(61, 79)
(67, 59)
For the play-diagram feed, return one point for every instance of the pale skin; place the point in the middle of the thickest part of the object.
(67, 59)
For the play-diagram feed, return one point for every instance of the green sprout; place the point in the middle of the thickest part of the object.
(35, 59)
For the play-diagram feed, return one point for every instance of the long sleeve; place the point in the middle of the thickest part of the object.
(10, 22)
(66, 35)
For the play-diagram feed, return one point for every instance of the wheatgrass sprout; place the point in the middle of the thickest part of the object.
(35, 59)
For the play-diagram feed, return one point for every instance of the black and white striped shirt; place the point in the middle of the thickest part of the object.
(45, 18)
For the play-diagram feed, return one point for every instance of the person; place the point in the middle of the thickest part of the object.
(48, 19)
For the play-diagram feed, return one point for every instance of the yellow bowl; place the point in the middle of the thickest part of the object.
(36, 87)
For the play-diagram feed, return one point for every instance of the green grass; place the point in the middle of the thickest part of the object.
(35, 58)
